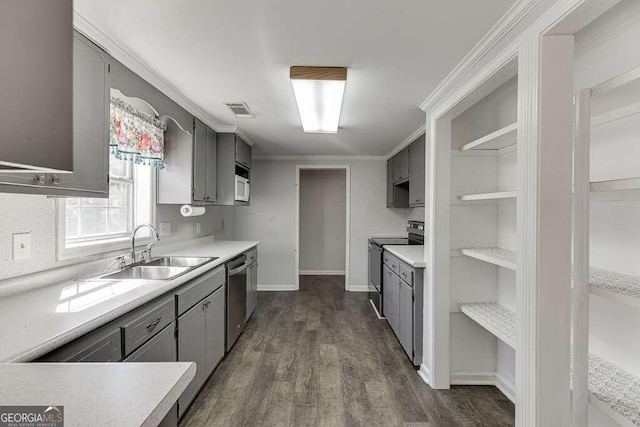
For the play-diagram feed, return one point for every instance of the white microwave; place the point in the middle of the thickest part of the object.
(242, 189)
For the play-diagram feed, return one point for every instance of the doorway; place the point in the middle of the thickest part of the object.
(322, 221)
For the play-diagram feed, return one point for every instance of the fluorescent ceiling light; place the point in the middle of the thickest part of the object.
(319, 92)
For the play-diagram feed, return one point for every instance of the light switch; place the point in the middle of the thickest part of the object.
(21, 245)
(198, 228)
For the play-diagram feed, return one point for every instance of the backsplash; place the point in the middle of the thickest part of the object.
(21, 213)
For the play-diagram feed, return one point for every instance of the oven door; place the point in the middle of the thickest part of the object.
(242, 189)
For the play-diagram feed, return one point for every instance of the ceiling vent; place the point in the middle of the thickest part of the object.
(239, 109)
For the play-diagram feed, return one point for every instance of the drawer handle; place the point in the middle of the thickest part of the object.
(153, 324)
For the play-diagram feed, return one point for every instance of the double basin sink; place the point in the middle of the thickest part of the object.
(165, 268)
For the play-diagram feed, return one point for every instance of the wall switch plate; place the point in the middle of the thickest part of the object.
(21, 245)
(198, 228)
(168, 228)
(164, 229)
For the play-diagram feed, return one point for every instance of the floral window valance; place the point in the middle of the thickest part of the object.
(135, 135)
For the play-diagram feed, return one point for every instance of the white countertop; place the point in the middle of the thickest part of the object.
(104, 394)
(36, 322)
(411, 254)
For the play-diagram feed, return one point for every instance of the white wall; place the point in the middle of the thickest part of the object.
(322, 220)
(270, 218)
(21, 213)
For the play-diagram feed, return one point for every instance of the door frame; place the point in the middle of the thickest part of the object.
(296, 269)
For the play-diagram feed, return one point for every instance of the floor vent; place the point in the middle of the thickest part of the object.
(239, 109)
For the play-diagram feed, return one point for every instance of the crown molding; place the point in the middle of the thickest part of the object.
(318, 158)
(408, 140)
(509, 20)
(135, 64)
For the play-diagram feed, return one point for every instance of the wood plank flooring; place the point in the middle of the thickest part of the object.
(320, 357)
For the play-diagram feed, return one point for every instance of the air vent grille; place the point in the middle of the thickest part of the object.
(239, 109)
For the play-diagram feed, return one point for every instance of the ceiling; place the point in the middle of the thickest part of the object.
(217, 51)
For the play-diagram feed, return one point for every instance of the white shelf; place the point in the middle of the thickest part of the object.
(498, 320)
(615, 286)
(614, 391)
(490, 196)
(615, 185)
(494, 140)
(498, 256)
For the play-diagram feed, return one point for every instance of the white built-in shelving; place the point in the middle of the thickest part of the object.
(624, 184)
(502, 138)
(498, 320)
(615, 286)
(498, 256)
(489, 196)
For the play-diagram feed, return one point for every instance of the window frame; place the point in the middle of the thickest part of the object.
(106, 243)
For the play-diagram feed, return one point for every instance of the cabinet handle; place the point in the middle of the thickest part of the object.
(41, 179)
(55, 180)
(153, 324)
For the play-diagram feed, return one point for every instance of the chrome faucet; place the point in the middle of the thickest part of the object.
(133, 241)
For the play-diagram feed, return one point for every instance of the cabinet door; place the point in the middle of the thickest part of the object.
(214, 330)
(192, 348)
(243, 152)
(36, 83)
(211, 164)
(390, 183)
(390, 297)
(90, 121)
(417, 172)
(199, 161)
(401, 165)
(406, 317)
(254, 286)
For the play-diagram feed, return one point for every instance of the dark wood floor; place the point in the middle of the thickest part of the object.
(320, 356)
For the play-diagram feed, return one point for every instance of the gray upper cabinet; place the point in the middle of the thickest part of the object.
(401, 166)
(234, 159)
(91, 80)
(397, 195)
(190, 175)
(417, 172)
(204, 163)
(36, 84)
(243, 152)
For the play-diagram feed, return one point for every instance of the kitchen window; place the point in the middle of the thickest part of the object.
(89, 226)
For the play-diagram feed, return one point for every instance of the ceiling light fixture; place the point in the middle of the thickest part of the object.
(319, 92)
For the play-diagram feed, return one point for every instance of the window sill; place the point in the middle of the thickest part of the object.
(101, 247)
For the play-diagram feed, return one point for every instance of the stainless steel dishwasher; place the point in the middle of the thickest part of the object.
(236, 298)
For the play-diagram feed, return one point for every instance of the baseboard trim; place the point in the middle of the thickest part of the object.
(473, 378)
(278, 288)
(376, 310)
(506, 387)
(423, 372)
(358, 288)
(322, 272)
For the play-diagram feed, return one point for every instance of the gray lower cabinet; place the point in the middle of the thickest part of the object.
(100, 346)
(406, 317)
(161, 348)
(417, 172)
(390, 298)
(201, 330)
(252, 283)
(90, 132)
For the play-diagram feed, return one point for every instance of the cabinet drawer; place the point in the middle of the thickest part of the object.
(392, 262)
(406, 274)
(139, 330)
(199, 288)
(252, 255)
(107, 348)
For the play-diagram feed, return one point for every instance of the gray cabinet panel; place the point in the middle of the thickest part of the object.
(145, 326)
(417, 172)
(391, 291)
(199, 161)
(397, 195)
(36, 83)
(406, 317)
(214, 330)
(192, 348)
(234, 156)
(390, 183)
(102, 346)
(243, 152)
(210, 165)
(252, 288)
(401, 166)
(199, 288)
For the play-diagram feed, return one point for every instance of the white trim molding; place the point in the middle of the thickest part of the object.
(408, 140)
(135, 64)
(514, 15)
(319, 158)
(358, 288)
(423, 372)
(276, 288)
(321, 273)
(485, 378)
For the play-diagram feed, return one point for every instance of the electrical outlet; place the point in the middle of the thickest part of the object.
(162, 229)
(198, 228)
(21, 245)
(168, 228)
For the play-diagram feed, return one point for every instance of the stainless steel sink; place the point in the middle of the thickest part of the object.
(146, 272)
(176, 261)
